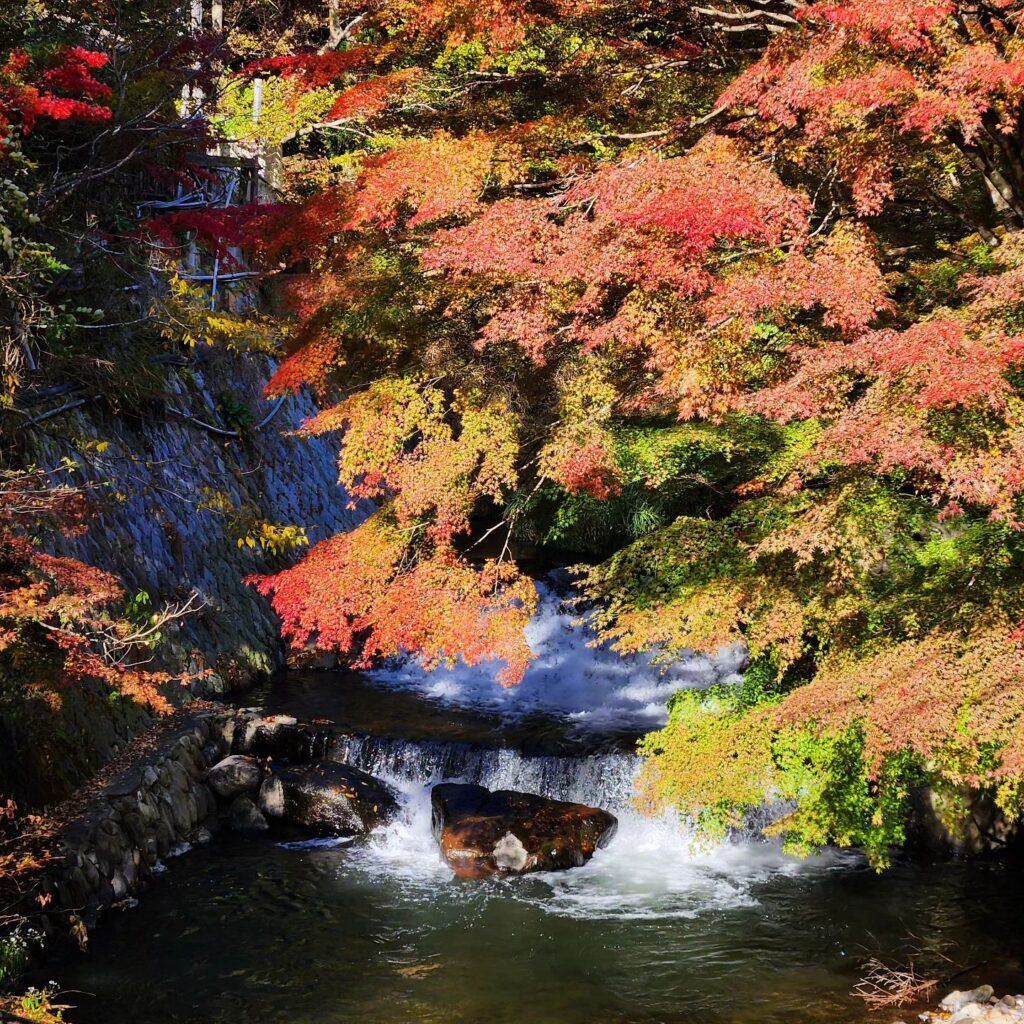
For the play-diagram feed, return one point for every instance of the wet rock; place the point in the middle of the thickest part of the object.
(970, 1012)
(180, 811)
(245, 816)
(331, 797)
(977, 1006)
(255, 730)
(179, 777)
(957, 1000)
(280, 737)
(214, 751)
(119, 884)
(237, 773)
(484, 834)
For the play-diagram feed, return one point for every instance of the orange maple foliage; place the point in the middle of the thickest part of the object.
(550, 278)
(865, 82)
(60, 608)
(352, 595)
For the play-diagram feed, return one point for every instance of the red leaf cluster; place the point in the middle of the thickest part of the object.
(60, 86)
(216, 230)
(312, 70)
(589, 469)
(870, 78)
(369, 98)
(350, 596)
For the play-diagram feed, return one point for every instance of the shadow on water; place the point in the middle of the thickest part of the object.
(245, 930)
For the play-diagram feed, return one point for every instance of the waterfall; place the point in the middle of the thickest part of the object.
(574, 677)
(591, 691)
(601, 780)
(566, 732)
(652, 869)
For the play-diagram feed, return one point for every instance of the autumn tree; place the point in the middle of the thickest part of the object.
(79, 118)
(897, 100)
(615, 277)
(59, 621)
(90, 113)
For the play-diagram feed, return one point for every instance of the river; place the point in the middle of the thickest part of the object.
(654, 929)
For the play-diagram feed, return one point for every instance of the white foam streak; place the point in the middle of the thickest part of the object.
(405, 850)
(572, 677)
(652, 869)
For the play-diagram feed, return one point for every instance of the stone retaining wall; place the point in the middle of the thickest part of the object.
(171, 496)
(138, 817)
(46, 751)
(136, 820)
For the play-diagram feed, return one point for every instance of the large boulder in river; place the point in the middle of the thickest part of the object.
(237, 773)
(483, 834)
(329, 797)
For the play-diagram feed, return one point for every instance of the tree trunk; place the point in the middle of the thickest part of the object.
(335, 27)
(965, 218)
(1001, 190)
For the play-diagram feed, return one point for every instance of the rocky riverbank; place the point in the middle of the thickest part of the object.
(167, 791)
(135, 817)
(239, 769)
(976, 1006)
(290, 777)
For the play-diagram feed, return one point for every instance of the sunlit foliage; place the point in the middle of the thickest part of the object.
(59, 621)
(586, 276)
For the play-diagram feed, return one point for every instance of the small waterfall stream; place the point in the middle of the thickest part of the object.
(567, 732)
(654, 929)
(653, 869)
(603, 780)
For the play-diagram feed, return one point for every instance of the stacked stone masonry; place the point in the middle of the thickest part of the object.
(165, 800)
(140, 818)
(156, 480)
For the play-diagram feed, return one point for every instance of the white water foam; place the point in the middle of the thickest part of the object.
(318, 843)
(652, 870)
(572, 676)
(601, 780)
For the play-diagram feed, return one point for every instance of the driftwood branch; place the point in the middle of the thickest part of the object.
(884, 987)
